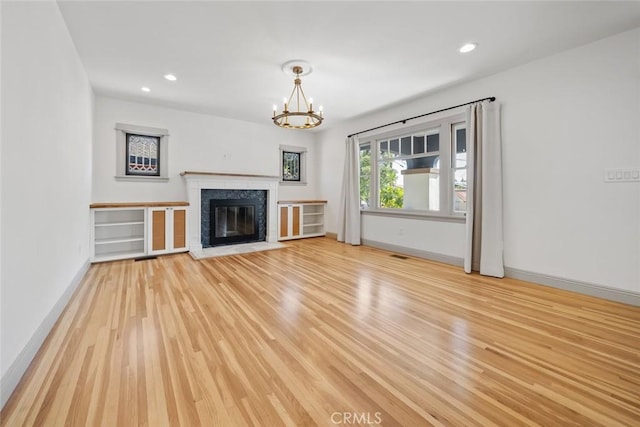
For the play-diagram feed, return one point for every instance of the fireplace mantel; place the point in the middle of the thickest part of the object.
(218, 174)
(198, 181)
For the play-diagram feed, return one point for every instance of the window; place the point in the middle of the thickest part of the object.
(420, 169)
(290, 166)
(459, 166)
(365, 175)
(141, 153)
(293, 165)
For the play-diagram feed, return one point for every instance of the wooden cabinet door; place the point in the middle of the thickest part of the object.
(284, 222)
(179, 229)
(158, 230)
(295, 221)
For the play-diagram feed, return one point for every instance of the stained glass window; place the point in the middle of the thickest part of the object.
(290, 166)
(143, 155)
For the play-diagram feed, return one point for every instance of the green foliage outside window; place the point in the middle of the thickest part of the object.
(391, 195)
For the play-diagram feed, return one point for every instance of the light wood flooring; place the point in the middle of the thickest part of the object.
(322, 333)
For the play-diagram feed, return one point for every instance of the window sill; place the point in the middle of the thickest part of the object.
(132, 178)
(420, 215)
(293, 183)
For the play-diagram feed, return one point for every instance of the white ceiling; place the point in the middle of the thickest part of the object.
(366, 55)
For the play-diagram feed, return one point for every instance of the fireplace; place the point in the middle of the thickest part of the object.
(233, 221)
(203, 186)
(230, 216)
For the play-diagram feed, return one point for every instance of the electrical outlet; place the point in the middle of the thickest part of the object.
(622, 175)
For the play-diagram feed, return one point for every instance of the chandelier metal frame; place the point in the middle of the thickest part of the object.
(312, 118)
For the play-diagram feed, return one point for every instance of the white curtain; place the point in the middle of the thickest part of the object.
(484, 245)
(349, 215)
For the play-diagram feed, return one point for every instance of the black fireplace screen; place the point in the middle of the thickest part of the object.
(233, 221)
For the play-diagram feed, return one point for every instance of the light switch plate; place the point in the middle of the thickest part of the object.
(622, 175)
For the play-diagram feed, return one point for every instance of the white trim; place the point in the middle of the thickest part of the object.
(121, 165)
(136, 178)
(12, 377)
(142, 129)
(421, 215)
(584, 288)
(591, 289)
(432, 256)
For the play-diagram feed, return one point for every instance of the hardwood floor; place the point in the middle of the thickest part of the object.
(322, 333)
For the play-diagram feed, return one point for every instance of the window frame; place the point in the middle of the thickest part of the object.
(302, 151)
(122, 155)
(445, 125)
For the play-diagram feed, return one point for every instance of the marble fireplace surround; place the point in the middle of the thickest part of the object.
(198, 181)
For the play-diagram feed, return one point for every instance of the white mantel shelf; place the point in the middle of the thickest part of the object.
(198, 181)
(243, 175)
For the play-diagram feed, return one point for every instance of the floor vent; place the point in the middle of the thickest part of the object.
(399, 256)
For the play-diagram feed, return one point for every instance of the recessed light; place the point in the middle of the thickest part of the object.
(170, 77)
(468, 47)
(145, 89)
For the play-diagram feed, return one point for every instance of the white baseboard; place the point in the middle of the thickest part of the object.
(447, 259)
(613, 294)
(591, 289)
(11, 378)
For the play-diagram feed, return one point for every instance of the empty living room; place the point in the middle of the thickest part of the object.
(319, 213)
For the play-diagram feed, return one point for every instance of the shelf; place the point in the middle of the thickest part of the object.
(314, 213)
(315, 224)
(119, 240)
(111, 256)
(117, 224)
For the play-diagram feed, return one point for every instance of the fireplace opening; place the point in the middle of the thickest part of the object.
(233, 221)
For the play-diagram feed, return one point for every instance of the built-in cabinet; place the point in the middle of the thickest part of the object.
(299, 219)
(167, 230)
(131, 230)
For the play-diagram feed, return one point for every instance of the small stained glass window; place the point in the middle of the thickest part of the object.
(143, 155)
(290, 166)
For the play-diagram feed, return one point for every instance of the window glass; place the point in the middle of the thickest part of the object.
(391, 183)
(143, 154)
(422, 169)
(409, 178)
(384, 149)
(460, 190)
(433, 142)
(461, 148)
(365, 175)
(290, 166)
(405, 146)
(459, 145)
(418, 144)
(394, 147)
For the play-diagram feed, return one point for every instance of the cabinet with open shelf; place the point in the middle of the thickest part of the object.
(300, 219)
(131, 230)
(118, 233)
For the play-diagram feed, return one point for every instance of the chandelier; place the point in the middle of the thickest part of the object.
(297, 118)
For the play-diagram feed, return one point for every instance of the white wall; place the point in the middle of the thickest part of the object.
(197, 142)
(46, 117)
(566, 118)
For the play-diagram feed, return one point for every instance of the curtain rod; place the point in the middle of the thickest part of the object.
(491, 98)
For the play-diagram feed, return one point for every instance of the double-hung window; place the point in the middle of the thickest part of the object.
(416, 170)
